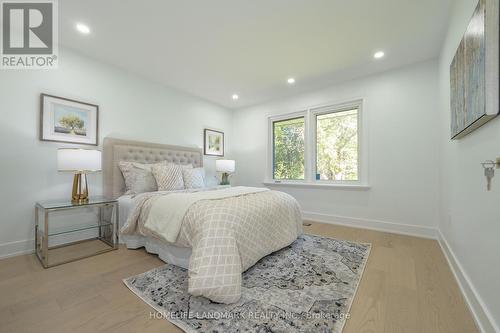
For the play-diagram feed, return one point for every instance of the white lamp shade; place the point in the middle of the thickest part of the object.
(224, 165)
(80, 160)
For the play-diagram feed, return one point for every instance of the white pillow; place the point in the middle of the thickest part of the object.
(138, 177)
(193, 178)
(169, 176)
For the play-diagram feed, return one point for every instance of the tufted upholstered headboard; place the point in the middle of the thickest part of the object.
(116, 150)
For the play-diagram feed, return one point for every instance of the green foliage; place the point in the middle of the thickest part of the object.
(337, 146)
(72, 122)
(289, 149)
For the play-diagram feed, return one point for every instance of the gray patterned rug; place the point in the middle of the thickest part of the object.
(308, 286)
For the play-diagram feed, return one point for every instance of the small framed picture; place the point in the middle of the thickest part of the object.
(67, 120)
(213, 143)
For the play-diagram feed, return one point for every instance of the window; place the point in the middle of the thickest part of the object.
(289, 147)
(337, 146)
(320, 145)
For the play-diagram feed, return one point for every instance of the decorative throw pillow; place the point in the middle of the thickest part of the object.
(169, 176)
(193, 178)
(138, 177)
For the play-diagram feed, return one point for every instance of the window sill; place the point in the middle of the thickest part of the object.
(319, 185)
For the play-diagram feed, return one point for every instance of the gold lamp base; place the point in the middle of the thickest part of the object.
(225, 179)
(80, 192)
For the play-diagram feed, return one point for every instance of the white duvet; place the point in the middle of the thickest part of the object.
(228, 229)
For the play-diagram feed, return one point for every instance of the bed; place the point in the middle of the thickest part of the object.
(216, 233)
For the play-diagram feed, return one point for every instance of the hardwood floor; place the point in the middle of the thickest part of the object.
(407, 286)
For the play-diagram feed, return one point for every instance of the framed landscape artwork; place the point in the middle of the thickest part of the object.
(474, 72)
(213, 143)
(67, 120)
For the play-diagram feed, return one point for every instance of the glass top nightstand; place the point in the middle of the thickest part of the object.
(61, 204)
(87, 237)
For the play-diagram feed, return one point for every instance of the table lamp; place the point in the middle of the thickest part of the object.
(79, 161)
(226, 167)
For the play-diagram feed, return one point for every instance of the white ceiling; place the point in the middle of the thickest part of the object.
(215, 48)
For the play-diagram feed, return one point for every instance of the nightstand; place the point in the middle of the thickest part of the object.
(51, 240)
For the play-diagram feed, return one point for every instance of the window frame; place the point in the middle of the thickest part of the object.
(310, 146)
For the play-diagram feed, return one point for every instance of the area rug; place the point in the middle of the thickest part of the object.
(308, 286)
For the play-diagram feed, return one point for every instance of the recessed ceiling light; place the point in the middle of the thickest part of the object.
(235, 97)
(291, 80)
(379, 54)
(83, 28)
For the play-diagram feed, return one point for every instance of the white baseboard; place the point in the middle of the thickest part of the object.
(17, 248)
(482, 316)
(395, 228)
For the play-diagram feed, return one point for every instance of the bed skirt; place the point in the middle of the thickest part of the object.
(171, 254)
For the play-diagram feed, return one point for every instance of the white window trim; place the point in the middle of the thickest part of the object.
(309, 115)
